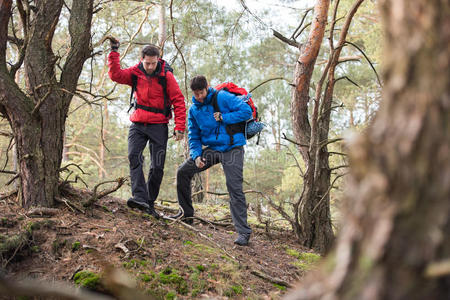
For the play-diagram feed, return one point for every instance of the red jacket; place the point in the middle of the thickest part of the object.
(150, 93)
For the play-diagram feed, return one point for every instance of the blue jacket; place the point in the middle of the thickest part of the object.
(205, 130)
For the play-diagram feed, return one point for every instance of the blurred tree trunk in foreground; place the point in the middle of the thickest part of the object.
(395, 240)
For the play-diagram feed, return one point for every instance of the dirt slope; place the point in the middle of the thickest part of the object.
(165, 259)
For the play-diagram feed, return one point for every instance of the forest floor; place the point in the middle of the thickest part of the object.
(164, 259)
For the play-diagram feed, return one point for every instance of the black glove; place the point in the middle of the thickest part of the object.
(114, 44)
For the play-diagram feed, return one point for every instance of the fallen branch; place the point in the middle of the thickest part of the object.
(42, 211)
(7, 195)
(202, 235)
(213, 222)
(120, 181)
(12, 179)
(270, 278)
(69, 204)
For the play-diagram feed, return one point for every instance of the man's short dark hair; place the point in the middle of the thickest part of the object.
(199, 83)
(150, 50)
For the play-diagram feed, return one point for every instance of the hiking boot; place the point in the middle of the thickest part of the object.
(242, 239)
(152, 212)
(133, 203)
(180, 215)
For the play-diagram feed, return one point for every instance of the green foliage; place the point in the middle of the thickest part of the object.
(87, 279)
(76, 246)
(170, 295)
(201, 268)
(170, 276)
(305, 260)
(233, 290)
(147, 277)
(280, 287)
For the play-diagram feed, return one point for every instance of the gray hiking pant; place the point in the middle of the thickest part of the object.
(233, 165)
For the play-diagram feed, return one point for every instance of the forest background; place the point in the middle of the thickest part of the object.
(233, 43)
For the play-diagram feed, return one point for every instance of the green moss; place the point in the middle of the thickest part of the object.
(280, 287)
(306, 261)
(205, 249)
(292, 252)
(233, 290)
(130, 264)
(201, 268)
(35, 249)
(13, 242)
(76, 246)
(309, 257)
(146, 277)
(171, 277)
(87, 279)
(170, 295)
(186, 243)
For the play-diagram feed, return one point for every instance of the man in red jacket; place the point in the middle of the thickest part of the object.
(156, 92)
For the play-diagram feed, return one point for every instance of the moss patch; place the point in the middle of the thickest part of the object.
(170, 276)
(87, 279)
(305, 260)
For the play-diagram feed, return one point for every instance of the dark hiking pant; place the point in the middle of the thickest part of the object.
(156, 135)
(233, 164)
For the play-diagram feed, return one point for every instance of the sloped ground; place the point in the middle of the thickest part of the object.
(166, 259)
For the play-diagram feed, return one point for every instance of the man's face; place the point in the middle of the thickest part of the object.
(200, 95)
(150, 63)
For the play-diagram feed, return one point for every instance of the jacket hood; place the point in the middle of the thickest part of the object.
(207, 100)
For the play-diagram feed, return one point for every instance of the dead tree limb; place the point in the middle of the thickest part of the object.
(120, 181)
(271, 279)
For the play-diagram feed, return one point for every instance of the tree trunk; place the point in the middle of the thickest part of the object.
(162, 34)
(313, 225)
(37, 117)
(39, 143)
(395, 240)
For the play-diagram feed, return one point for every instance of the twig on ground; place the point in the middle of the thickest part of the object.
(120, 181)
(202, 235)
(42, 211)
(270, 278)
(69, 204)
(7, 195)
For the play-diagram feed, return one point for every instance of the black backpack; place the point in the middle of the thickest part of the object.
(162, 80)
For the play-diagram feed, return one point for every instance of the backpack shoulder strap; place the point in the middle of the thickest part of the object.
(214, 101)
(133, 89)
(162, 80)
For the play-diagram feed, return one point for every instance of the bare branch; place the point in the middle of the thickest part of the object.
(301, 23)
(293, 142)
(271, 279)
(346, 77)
(271, 79)
(178, 48)
(303, 29)
(368, 60)
(144, 19)
(120, 181)
(12, 179)
(285, 39)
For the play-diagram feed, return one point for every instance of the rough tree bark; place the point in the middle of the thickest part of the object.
(37, 116)
(313, 230)
(395, 240)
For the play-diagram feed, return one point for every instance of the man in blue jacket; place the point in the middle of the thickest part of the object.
(208, 128)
